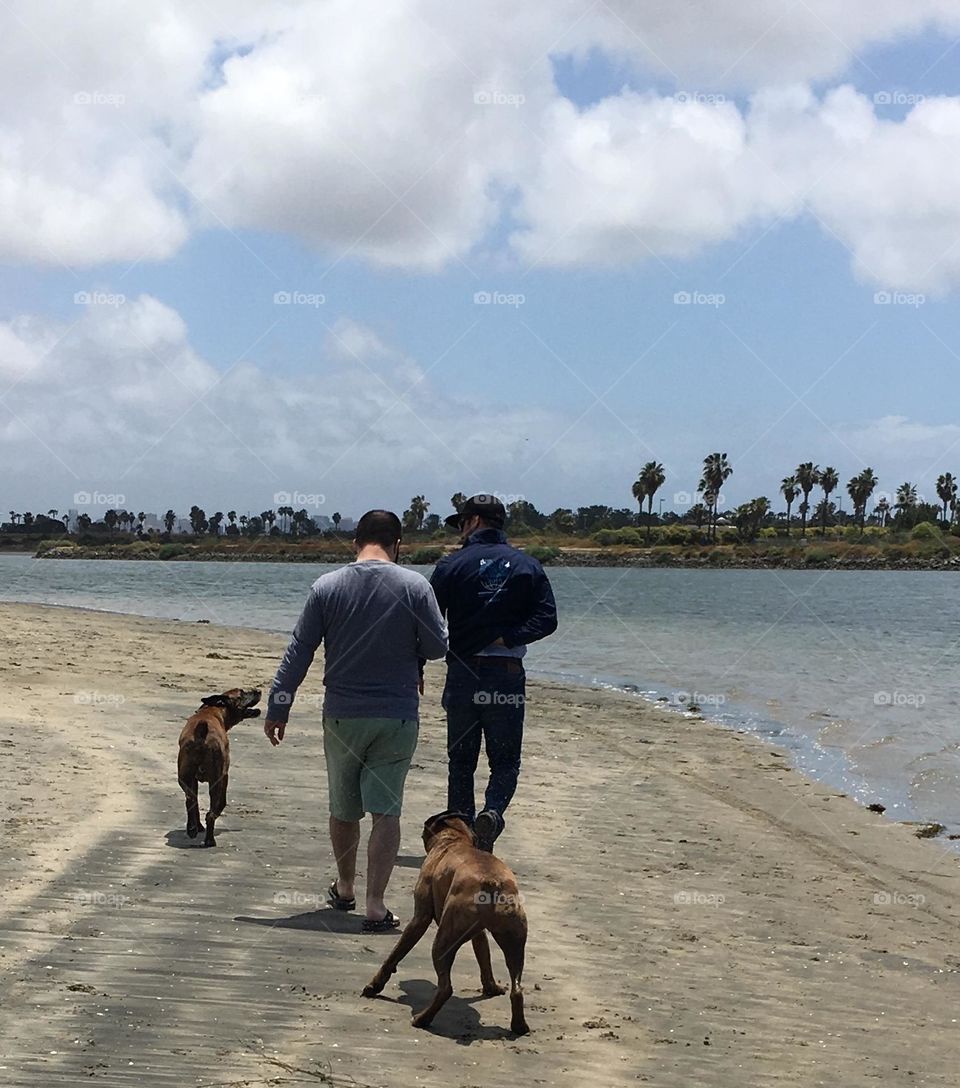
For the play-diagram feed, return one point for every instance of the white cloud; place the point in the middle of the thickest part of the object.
(402, 132)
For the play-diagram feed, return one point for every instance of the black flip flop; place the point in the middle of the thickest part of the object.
(337, 901)
(387, 924)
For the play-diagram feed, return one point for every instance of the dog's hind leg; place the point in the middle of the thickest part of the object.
(218, 796)
(481, 949)
(189, 787)
(446, 944)
(512, 942)
(414, 930)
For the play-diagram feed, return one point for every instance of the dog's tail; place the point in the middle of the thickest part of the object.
(200, 733)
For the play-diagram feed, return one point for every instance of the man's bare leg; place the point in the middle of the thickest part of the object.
(345, 839)
(381, 857)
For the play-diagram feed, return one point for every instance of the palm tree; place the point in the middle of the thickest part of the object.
(639, 493)
(789, 490)
(169, 520)
(882, 510)
(652, 477)
(716, 471)
(336, 519)
(829, 479)
(860, 488)
(141, 518)
(53, 514)
(808, 475)
(418, 510)
(947, 490)
(906, 501)
(457, 500)
(232, 517)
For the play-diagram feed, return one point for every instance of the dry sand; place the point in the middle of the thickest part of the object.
(700, 914)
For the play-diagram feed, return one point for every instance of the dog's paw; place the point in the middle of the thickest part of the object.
(370, 990)
(494, 990)
(522, 1028)
(192, 832)
(420, 1021)
(209, 842)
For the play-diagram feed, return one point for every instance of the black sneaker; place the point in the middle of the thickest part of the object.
(486, 828)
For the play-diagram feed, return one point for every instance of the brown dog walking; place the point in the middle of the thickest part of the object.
(205, 753)
(467, 892)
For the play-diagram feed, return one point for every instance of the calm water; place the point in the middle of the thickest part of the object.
(854, 672)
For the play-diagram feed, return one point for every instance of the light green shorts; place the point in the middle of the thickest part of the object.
(367, 764)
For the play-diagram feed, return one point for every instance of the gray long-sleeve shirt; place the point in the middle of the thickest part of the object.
(376, 620)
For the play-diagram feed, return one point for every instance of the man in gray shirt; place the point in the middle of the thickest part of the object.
(378, 622)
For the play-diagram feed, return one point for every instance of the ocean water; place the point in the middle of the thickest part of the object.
(853, 672)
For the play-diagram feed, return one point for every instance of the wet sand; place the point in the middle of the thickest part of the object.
(700, 914)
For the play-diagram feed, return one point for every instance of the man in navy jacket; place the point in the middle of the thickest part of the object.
(497, 600)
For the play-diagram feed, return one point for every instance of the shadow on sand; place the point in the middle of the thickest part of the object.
(458, 1020)
(179, 839)
(320, 921)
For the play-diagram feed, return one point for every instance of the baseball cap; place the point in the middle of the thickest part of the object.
(489, 507)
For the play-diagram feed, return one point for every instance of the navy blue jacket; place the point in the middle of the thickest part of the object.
(489, 590)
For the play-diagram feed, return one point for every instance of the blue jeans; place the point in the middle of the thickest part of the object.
(483, 701)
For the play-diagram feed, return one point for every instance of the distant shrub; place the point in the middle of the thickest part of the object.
(49, 545)
(426, 556)
(542, 552)
(925, 531)
(611, 537)
(718, 555)
(817, 557)
(142, 548)
(770, 532)
(172, 551)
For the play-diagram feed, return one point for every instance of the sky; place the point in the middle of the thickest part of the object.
(346, 253)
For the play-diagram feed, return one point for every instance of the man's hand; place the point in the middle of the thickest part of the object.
(274, 731)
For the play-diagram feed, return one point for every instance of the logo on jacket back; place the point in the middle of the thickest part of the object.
(493, 575)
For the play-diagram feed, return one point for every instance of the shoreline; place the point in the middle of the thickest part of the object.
(568, 557)
(679, 880)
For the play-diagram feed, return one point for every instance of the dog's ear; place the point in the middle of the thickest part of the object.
(435, 824)
(215, 700)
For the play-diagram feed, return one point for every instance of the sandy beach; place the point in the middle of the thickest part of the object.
(700, 914)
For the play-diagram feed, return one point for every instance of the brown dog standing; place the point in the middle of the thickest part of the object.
(205, 753)
(466, 891)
